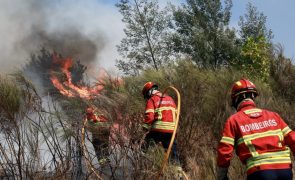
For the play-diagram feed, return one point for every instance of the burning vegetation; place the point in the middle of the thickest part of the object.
(41, 129)
(68, 88)
(44, 107)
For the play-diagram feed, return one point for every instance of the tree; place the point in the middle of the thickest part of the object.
(202, 32)
(146, 30)
(255, 58)
(253, 25)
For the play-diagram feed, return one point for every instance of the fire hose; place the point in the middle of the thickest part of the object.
(88, 163)
(166, 156)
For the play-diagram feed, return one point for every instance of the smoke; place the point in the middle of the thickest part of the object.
(70, 44)
(84, 30)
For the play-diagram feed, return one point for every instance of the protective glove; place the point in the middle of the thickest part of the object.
(222, 173)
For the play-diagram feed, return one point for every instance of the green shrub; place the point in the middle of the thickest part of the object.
(10, 96)
(205, 106)
(254, 61)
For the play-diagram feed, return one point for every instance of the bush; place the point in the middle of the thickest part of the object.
(205, 96)
(10, 95)
(205, 106)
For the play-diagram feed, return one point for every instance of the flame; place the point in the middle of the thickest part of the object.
(60, 87)
(67, 88)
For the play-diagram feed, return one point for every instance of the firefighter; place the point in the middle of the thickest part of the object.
(159, 121)
(261, 138)
(99, 126)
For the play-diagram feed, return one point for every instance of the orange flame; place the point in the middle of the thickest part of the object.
(69, 89)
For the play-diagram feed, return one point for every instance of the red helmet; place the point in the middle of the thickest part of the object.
(243, 86)
(147, 86)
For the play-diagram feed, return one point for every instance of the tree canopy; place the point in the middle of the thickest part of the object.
(145, 44)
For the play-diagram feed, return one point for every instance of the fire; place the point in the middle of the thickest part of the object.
(67, 88)
(60, 87)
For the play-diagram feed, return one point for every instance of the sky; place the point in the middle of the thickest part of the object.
(25, 25)
(280, 19)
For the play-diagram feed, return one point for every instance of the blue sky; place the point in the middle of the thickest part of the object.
(280, 18)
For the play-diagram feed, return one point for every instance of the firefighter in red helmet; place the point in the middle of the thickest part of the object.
(261, 138)
(160, 113)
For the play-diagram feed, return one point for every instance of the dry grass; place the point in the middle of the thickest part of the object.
(10, 95)
(45, 141)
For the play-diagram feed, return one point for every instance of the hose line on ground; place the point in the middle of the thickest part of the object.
(166, 157)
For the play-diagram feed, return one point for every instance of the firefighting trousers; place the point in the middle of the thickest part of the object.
(101, 144)
(154, 137)
(273, 174)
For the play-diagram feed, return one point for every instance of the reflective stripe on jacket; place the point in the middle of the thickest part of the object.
(160, 113)
(261, 138)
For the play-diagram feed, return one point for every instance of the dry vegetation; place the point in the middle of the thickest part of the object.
(41, 135)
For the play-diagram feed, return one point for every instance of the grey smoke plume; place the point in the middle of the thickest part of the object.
(71, 43)
(79, 29)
